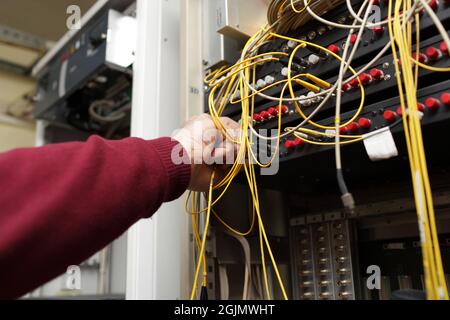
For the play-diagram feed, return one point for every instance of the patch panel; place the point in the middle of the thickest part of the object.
(373, 39)
(434, 103)
(379, 80)
(323, 65)
(320, 175)
(323, 258)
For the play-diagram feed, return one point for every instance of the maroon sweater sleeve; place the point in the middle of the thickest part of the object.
(59, 204)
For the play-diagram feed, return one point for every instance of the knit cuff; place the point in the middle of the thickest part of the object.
(174, 159)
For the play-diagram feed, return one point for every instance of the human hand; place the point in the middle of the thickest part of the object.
(208, 149)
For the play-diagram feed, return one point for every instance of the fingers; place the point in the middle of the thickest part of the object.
(225, 153)
(207, 123)
(230, 124)
(205, 141)
(209, 148)
(233, 128)
(209, 136)
(212, 134)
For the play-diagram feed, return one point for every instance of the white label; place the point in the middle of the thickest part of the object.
(380, 145)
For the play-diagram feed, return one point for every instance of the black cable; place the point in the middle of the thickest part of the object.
(204, 293)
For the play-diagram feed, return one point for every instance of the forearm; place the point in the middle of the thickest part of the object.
(62, 203)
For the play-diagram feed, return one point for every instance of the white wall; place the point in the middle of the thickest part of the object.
(12, 137)
(12, 88)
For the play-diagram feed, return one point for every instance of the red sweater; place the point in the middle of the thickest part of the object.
(59, 204)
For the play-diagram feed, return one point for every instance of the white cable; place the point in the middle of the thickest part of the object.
(324, 21)
(270, 280)
(247, 274)
(371, 25)
(335, 24)
(346, 65)
(367, 66)
(256, 284)
(341, 75)
(114, 116)
(437, 23)
(260, 283)
(224, 284)
(329, 91)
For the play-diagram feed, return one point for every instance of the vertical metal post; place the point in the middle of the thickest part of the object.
(191, 103)
(154, 252)
(40, 133)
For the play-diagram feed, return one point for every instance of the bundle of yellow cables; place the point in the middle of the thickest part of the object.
(226, 82)
(435, 282)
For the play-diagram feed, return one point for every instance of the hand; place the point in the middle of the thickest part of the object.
(208, 149)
